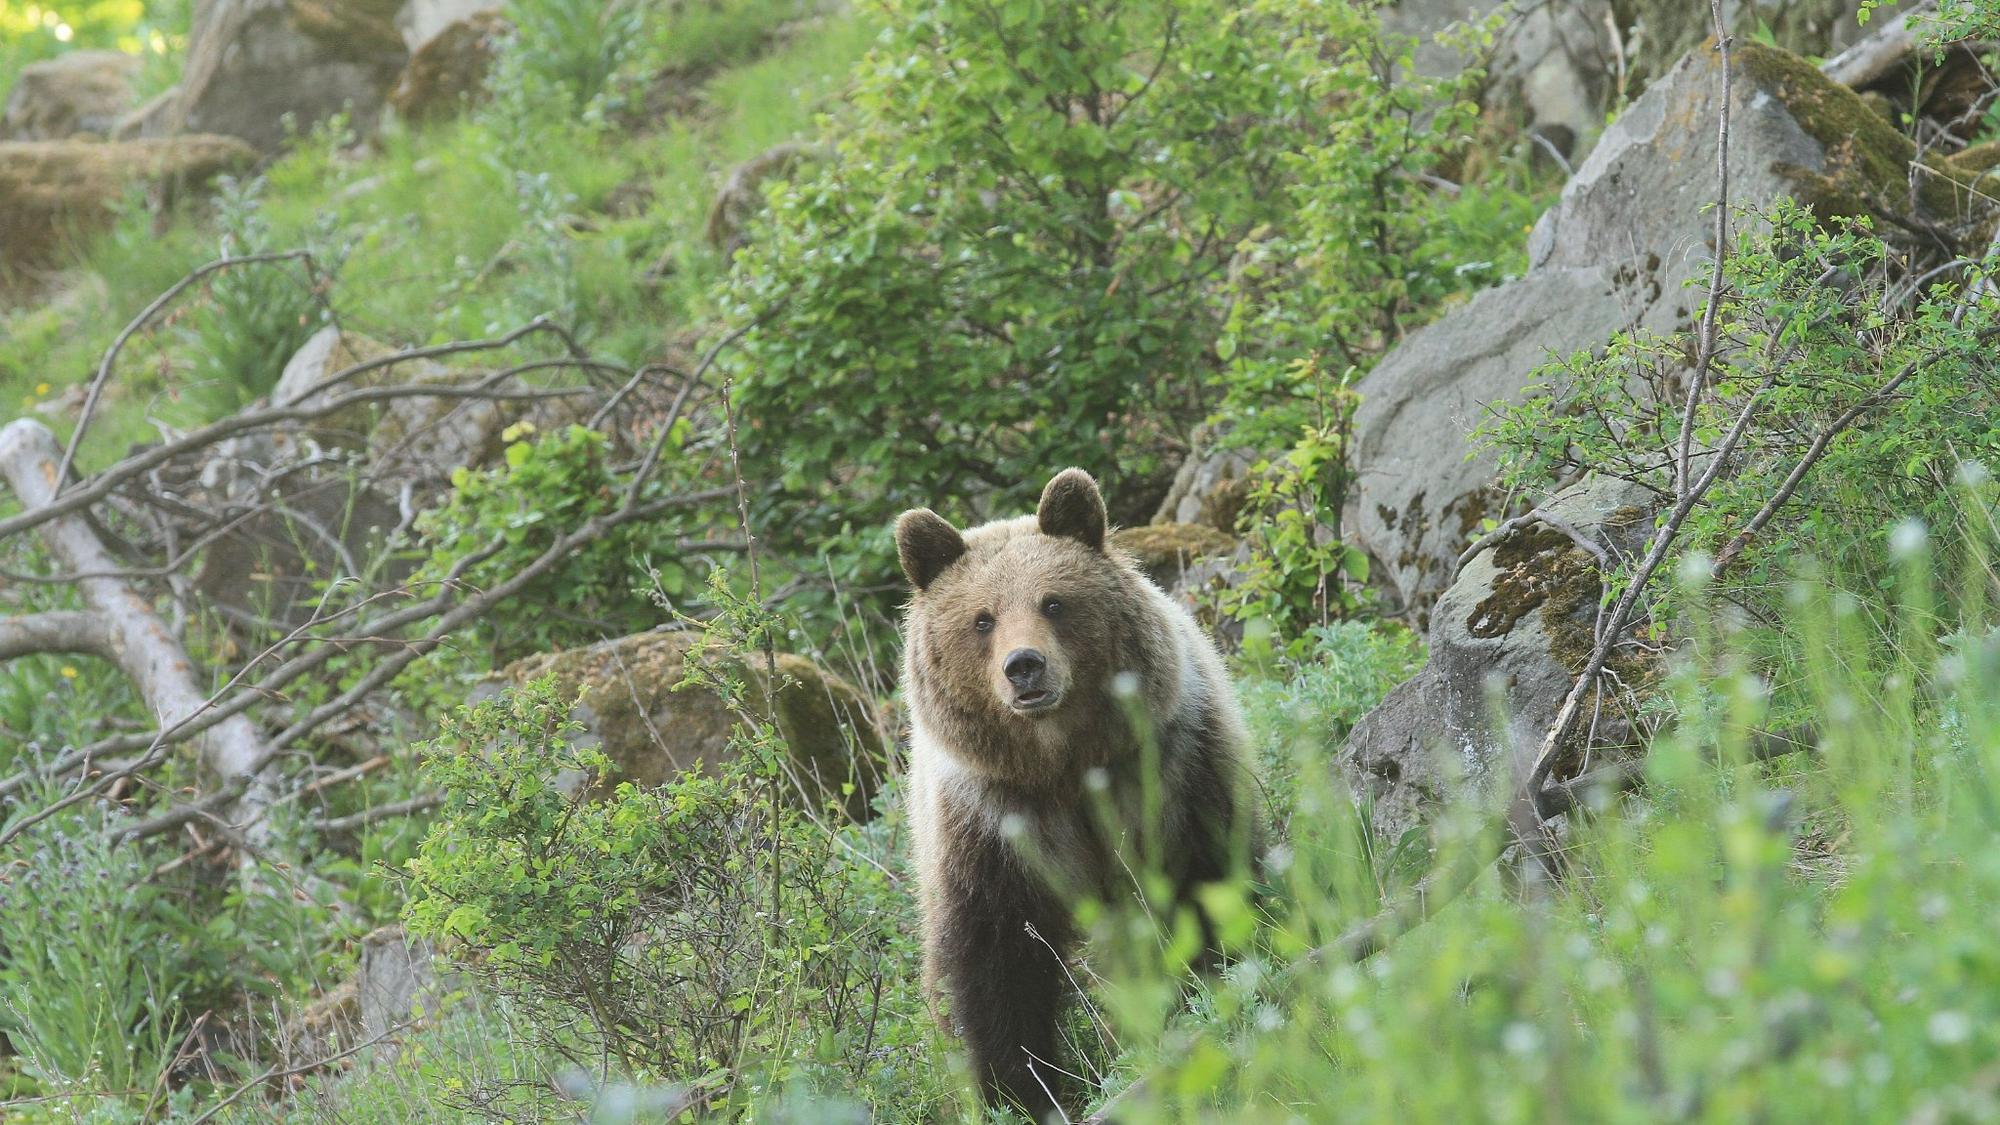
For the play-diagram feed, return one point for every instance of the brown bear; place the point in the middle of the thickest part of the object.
(1046, 676)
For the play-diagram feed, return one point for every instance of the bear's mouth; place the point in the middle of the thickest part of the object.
(1029, 702)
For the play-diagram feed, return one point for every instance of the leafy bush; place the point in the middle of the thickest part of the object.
(1299, 573)
(703, 934)
(549, 485)
(1013, 263)
(1806, 939)
(1797, 355)
(257, 315)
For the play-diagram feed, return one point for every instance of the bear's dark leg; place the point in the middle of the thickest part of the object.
(1007, 986)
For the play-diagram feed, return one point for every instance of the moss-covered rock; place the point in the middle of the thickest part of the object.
(652, 729)
(52, 192)
(1507, 640)
(1165, 550)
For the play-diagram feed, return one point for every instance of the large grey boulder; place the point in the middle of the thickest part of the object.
(1507, 640)
(1614, 253)
(258, 67)
(81, 92)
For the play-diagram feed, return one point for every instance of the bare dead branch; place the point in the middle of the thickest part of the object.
(366, 817)
(145, 317)
(71, 631)
(140, 642)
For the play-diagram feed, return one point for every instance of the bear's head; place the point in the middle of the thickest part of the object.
(1021, 623)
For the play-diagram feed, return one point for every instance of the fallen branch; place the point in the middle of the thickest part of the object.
(1885, 49)
(71, 631)
(134, 636)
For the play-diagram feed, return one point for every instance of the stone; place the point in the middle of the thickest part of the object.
(1210, 486)
(80, 92)
(258, 68)
(1507, 638)
(1613, 253)
(652, 732)
(421, 21)
(53, 190)
(330, 1024)
(398, 983)
(448, 71)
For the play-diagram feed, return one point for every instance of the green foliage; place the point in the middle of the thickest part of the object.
(1299, 573)
(511, 514)
(1013, 262)
(258, 315)
(567, 50)
(155, 30)
(705, 933)
(1813, 322)
(84, 988)
(1309, 702)
(1736, 942)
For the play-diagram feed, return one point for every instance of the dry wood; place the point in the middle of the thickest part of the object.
(135, 637)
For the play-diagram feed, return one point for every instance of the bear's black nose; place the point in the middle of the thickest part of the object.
(1024, 667)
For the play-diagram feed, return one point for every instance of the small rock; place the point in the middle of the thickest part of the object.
(651, 732)
(1210, 486)
(80, 92)
(448, 71)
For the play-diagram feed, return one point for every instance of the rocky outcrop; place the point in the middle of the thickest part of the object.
(51, 191)
(651, 731)
(81, 92)
(1612, 254)
(448, 70)
(1507, 639)
(258, 68)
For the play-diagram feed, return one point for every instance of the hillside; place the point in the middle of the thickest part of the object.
(450, 617)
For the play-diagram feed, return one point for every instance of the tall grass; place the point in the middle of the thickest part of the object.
(1807, 939)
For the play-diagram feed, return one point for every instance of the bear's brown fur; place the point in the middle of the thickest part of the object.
(1028, 644)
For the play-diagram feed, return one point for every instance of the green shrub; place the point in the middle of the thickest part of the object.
(256, 315)
(1797, 354)
(702, 935)
(86, 965)
(1013, 263)
(548, 486)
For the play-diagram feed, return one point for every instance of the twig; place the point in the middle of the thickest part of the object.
(1711, 311)
(366, 817)
(104, 366)
(279, 1070)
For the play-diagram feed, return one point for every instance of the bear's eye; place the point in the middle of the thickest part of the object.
(983, 623)
(1052, 607)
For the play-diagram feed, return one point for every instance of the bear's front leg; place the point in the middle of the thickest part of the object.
(1007, 984)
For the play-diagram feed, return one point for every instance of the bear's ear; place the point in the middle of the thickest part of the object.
(926, 544)
(1072, 508)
